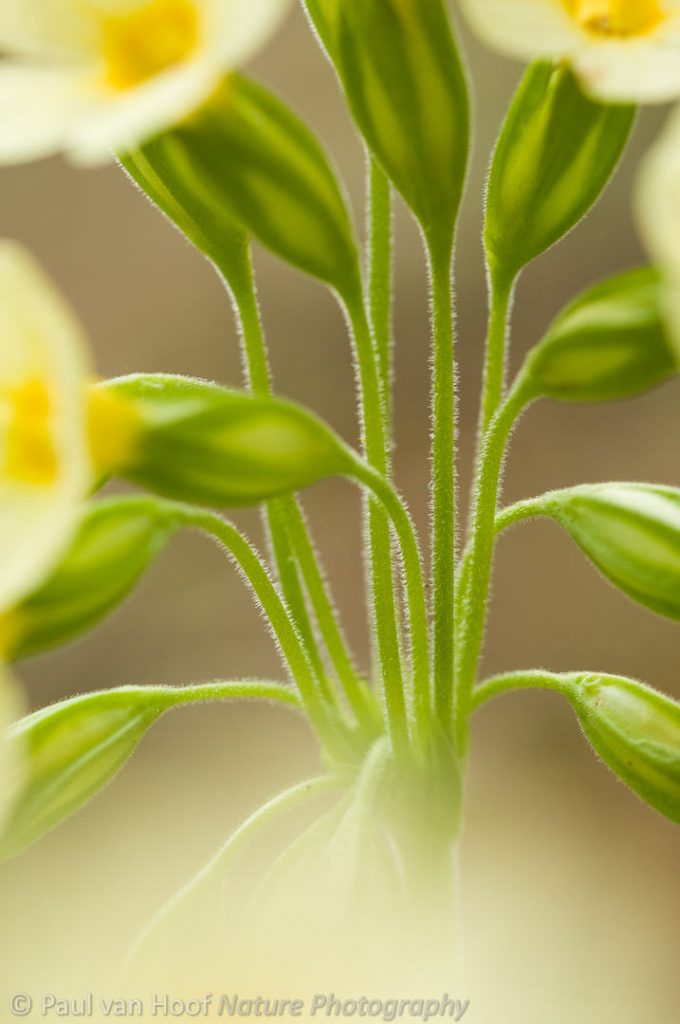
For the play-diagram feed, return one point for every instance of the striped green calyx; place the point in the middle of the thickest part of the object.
(636, 732)
(554, 156)
(611, 342)
(245, 164)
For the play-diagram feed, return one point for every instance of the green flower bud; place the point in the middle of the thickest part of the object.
(116, 541)
(610, 343)
(323, 15)
(244, 162)
(636, 732)
(164, 174)
(631, 532)
(201, 443)
(556, 152)
(70, 752)
(401, 71)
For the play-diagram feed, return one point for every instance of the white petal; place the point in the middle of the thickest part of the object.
(237, 29)
(122, 120)
(40, 339)
(634, 71)
(658, 198)
(525, 28)
(10, 769)
(38, 109)
(658, 214)
(48, 27)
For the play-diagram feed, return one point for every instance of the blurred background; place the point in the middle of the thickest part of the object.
(570, 887)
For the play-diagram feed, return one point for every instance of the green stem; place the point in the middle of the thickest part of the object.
(222, 860)
(479, 557)
(415, 584)
(532, 508)
(284, 517)
(303, 549)
(443, 479)
(376, 447)
(278, 519)
(292, 648)
(511, 682)
(380, 279)
(237, 690)
(240, 280)
(493, 387)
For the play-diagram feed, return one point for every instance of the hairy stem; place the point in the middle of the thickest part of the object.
(331, 633)
(284, 517)
(531, 508)
(315, 699)
(443, 479)
(477, 567)
(415, 585)
(376, 446)
(232, 690)
(380, 279)
(511, 682)
(493, 386)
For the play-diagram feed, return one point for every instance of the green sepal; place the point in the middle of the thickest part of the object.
(323, 16)
(166, 177)
(70, 751)
(636, 732)
(117, 539)
(205, 444)
(401, 72)
(244, 160)
(555, 154)
(610, 343)
(631, 532)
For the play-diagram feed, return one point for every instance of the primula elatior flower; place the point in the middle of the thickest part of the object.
(622, 50)
(89, 76)
(45, 464)
(658, 206)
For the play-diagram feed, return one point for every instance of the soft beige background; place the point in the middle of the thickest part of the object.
(571, 886)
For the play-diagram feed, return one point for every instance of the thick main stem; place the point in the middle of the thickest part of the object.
(443, 479)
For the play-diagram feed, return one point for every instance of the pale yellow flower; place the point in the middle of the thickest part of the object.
(89, 76)
(658, 209)
(622, 50)
(45, 464)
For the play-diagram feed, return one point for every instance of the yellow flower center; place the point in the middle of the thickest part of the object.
(113, 428)
(153, 37)
(31, 456)
(619, 18)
